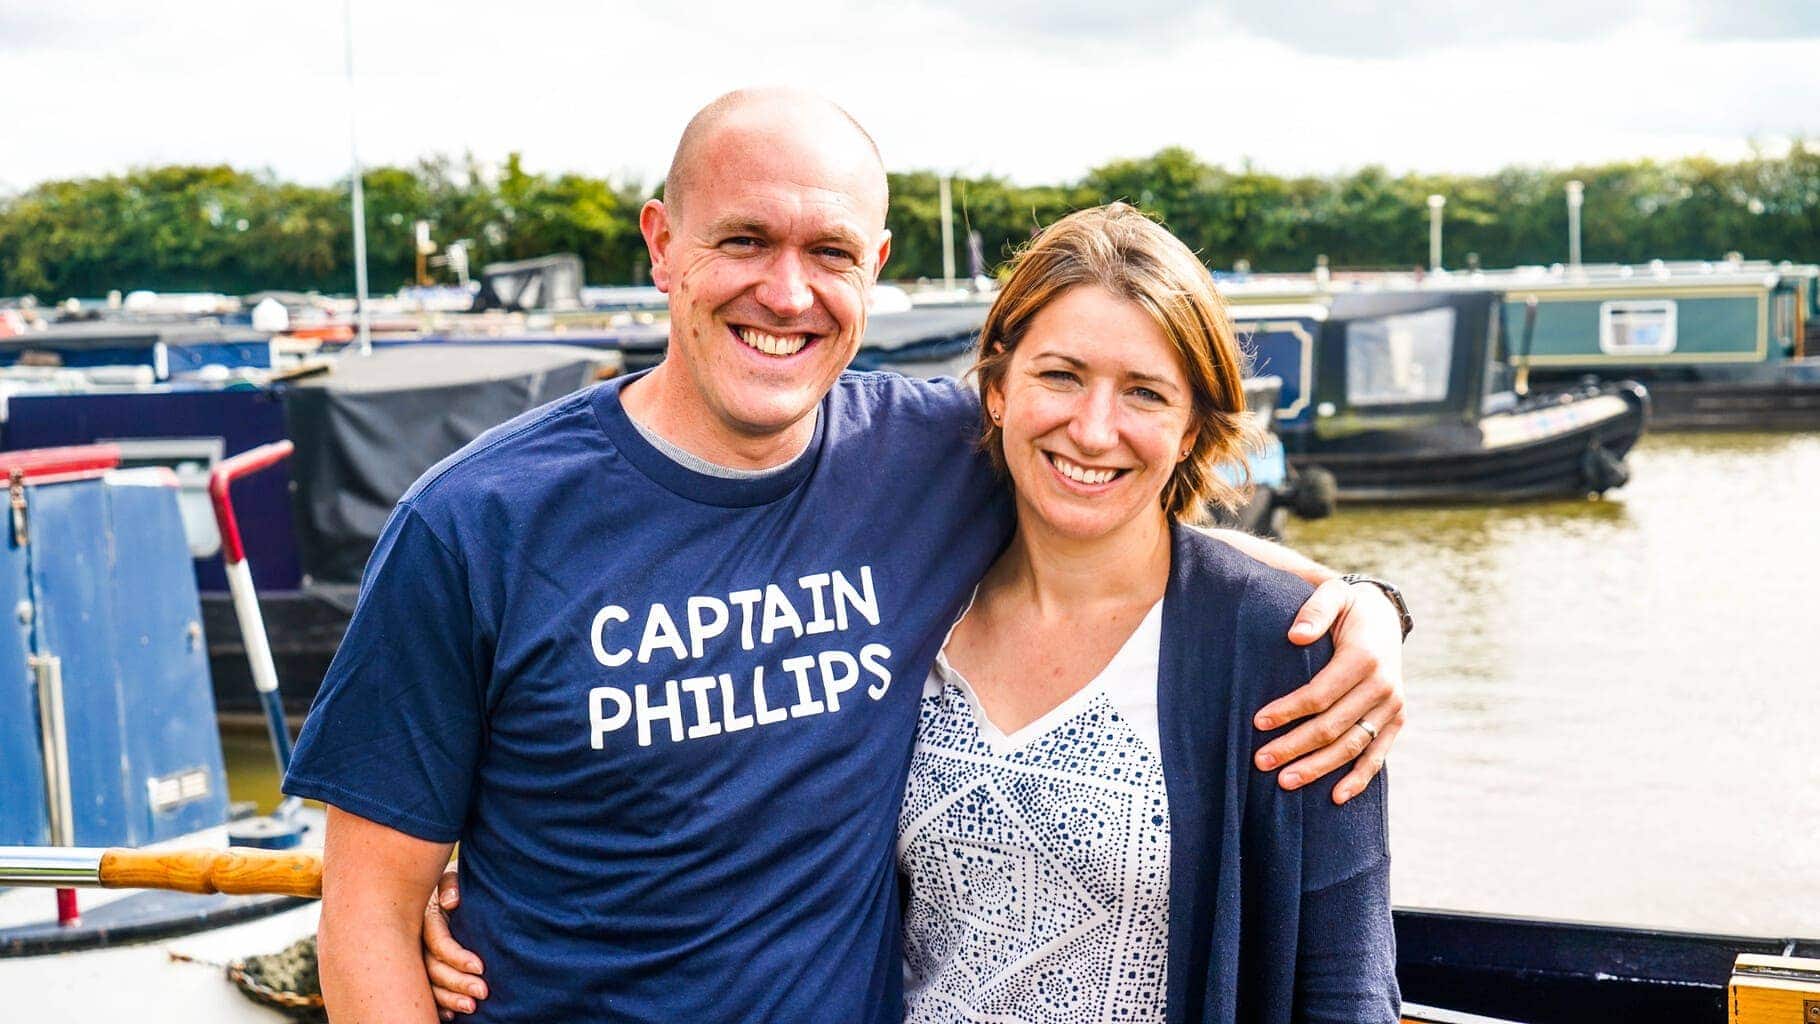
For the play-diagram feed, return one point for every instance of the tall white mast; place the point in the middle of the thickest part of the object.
(365, 345)
(947, 200)
(1576, 196)
(1435, 205)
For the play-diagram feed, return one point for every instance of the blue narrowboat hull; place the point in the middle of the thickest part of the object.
(1562, 972)
(1555, 446)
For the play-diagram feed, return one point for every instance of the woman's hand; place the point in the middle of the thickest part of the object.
(1362, 683)
(454, 972)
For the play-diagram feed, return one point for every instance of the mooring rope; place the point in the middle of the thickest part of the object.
(286, 980)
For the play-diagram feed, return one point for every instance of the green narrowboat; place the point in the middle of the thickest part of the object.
(1732, 345)
(1721, 345)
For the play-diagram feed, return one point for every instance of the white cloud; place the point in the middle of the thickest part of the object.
(1039, 92)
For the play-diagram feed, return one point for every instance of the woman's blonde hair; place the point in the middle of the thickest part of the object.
(1117, 248)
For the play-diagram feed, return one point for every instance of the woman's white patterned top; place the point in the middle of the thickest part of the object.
(1039, 862)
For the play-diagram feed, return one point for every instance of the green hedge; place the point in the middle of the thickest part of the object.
(221, 229)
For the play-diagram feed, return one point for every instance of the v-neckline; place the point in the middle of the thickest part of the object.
(1007, 743)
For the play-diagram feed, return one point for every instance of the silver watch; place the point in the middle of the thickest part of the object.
(1396, 598)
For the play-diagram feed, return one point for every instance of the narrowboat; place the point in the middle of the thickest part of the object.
(1406, 396)
(108, 739)
(364, 427)
(1733, 345)
(1273, 490)
(149, 352)
(1540, 971)
(923, 341)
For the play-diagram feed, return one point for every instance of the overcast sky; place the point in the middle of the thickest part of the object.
(1038, 90)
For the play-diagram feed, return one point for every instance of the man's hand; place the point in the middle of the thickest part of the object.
(1363, 683)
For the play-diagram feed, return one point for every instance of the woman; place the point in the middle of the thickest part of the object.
(1082, 834)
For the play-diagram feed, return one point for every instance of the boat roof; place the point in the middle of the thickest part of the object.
(105, 334)
(433, 366)
(1698, 273)
(1279, 311)
(631, 335)
(1653, 274)
(925, 325)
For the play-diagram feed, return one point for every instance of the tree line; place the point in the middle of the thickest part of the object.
(216, 228)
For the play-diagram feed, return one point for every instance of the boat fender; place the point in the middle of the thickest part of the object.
(1313, 493)
(288, 981)
(1601, 471)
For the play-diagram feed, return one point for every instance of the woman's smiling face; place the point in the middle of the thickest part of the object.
(1096, 410)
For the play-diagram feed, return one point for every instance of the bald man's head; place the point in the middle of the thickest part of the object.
(774, 117)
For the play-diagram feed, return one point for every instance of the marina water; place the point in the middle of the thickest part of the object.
(1615, 704)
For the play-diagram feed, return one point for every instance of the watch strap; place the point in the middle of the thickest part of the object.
(1390, 590)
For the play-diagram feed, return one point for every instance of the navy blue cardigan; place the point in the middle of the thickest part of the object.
(1279, 904)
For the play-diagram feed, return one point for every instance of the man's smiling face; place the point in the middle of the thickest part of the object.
(769, 249)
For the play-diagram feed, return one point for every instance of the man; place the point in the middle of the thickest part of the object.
(652, 653)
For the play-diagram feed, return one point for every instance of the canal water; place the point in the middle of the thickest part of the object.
(1615, 704)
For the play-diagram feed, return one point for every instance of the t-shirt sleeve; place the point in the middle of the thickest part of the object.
(395, 733)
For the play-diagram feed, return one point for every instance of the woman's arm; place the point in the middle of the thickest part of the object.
(1346, 971)
(454, 972)
(1347, 967)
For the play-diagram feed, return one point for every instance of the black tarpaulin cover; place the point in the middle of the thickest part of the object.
(369, 428)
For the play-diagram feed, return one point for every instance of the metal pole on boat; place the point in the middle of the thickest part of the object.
(1530, 306)
(246, 599)
(365, 338)
(947, 188)
(1576, 195)
(1435, 205)
(47, 676)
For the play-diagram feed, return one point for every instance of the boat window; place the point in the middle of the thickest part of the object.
(191, 459)
(1399, 360)
(1637, 327)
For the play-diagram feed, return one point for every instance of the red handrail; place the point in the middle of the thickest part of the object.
(38, 463)
(223, 476)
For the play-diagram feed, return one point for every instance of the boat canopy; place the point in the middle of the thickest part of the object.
(922, 340)
(1404, 354)
(547, 282)
(368, 429)
(170, 348)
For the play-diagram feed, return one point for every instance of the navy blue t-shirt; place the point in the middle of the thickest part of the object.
(667, 715)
